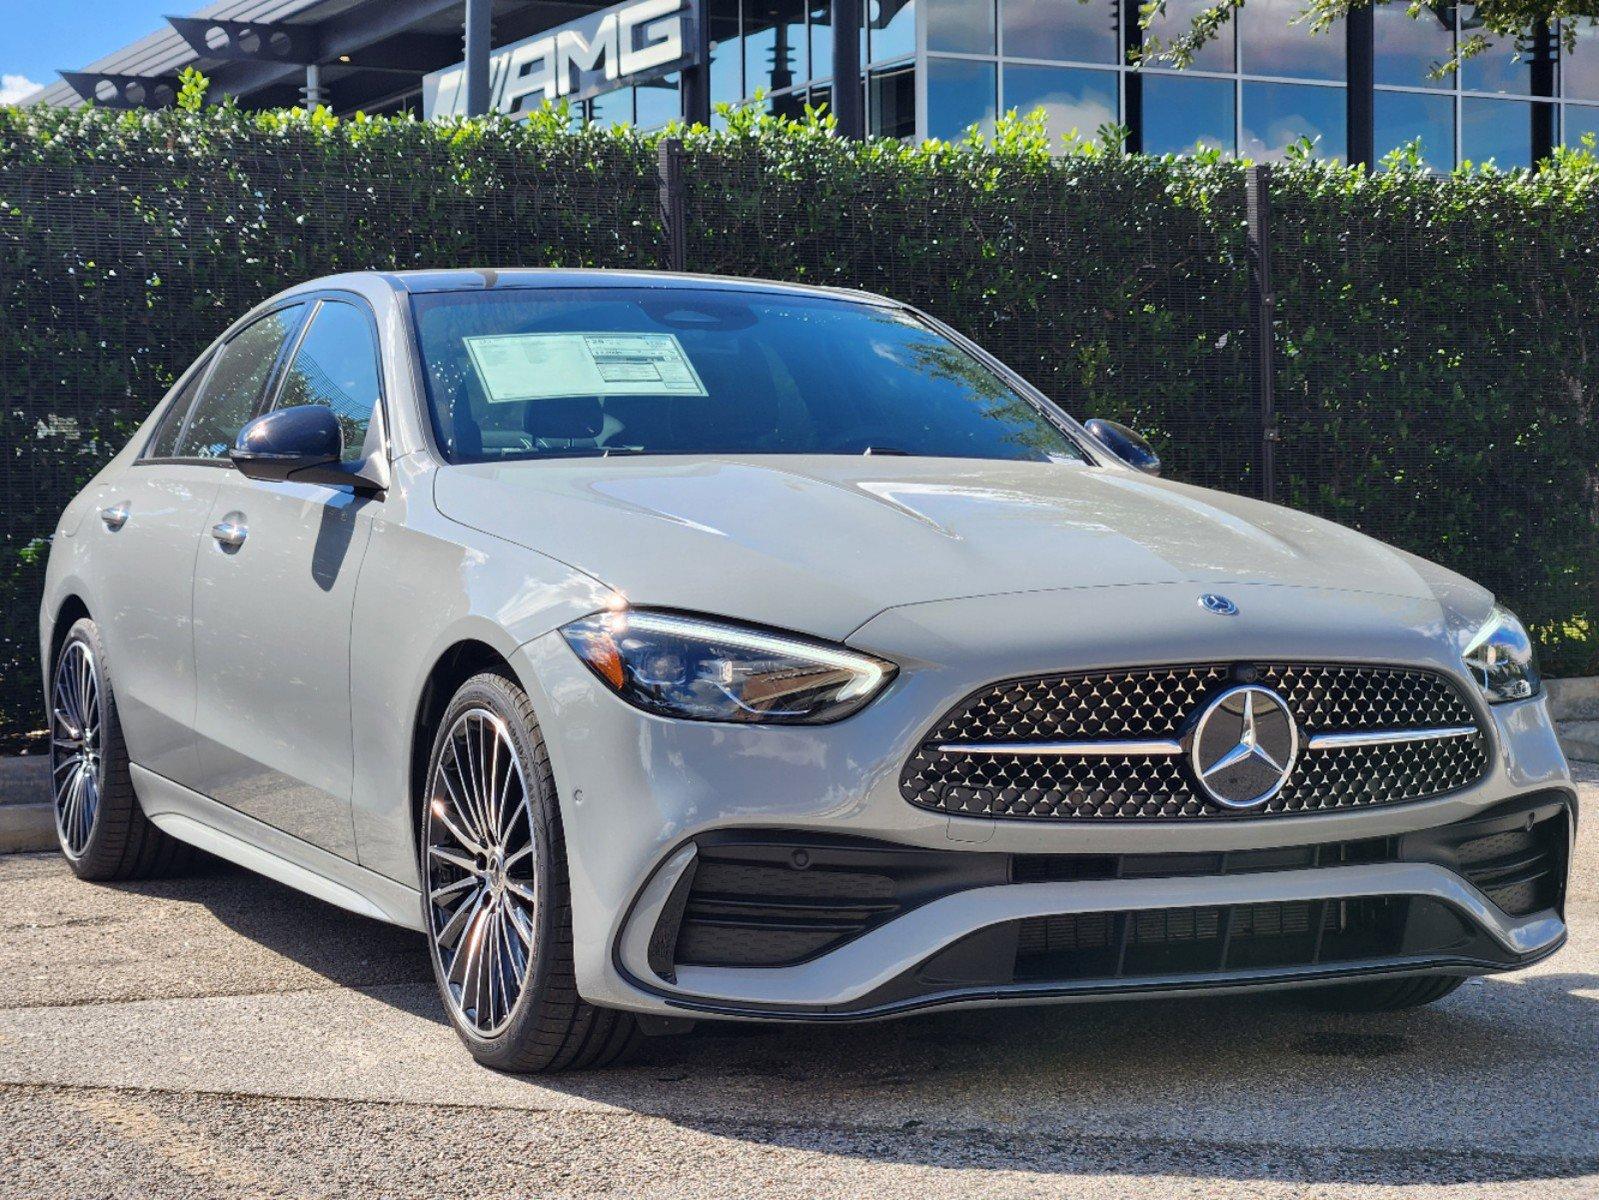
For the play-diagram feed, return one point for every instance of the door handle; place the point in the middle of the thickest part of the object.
(115, 517)
(230, 531)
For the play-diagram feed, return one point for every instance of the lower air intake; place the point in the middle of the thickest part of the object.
(1151, 943)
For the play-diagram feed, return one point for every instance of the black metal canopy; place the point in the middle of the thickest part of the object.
(366, 54)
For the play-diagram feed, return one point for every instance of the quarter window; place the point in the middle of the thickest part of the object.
(337, 366)
(165, 443)
(235, 385)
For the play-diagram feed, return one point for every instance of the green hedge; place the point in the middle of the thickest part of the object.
(1435, 369)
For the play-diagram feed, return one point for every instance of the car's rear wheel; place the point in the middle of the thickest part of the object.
(1382, 995)
(498, 906)
(101, 829)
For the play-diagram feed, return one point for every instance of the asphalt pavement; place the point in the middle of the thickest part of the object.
(219, 1035)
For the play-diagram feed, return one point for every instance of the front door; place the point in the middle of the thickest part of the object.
(274, 587)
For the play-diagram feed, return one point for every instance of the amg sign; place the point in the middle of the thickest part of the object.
(598, 53)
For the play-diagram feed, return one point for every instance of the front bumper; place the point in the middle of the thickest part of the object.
(641, 796)
(776, 921)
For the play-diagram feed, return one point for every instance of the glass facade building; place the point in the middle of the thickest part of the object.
(931, 68)
(924, 68)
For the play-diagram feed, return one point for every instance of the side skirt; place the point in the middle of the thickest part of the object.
(230, 834)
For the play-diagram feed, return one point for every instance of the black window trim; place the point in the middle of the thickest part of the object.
(215, 356)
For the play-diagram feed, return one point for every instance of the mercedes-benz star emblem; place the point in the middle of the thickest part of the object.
(1219, 605)
(1243, 747)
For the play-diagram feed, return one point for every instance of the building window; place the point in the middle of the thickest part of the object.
(1581, 120)
(1063, 30)
(1260, 86)
(1579, 82)
(727, 54)
(960, 93)
(819, 16)
(611, 108)
(1215, 55)
(960, 26)
(1490, 101)
(1410, 50)
(1403, 117)
(1276, 115)
(1500, 68)
(891, 26)
(1185, 113)
(1271, 43)
(1579, 70)
(659, 102)
(891, 103)
(1074, 99)
(775, 46)
(1499, 131)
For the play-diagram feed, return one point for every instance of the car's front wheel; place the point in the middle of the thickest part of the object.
(498, 907)
(102, 831)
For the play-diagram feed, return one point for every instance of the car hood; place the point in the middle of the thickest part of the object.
(821, 544)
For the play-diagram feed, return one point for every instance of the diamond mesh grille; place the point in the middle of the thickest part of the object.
(1158, 703)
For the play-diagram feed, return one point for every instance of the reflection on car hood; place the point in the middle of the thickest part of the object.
(822, 543)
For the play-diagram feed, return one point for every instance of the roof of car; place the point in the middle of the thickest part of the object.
(483, 279)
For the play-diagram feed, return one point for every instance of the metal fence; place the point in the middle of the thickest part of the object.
(1274, 340)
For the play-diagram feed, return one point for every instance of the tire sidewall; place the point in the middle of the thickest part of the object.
(504, 699)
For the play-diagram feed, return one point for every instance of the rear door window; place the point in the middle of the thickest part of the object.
(235, 386)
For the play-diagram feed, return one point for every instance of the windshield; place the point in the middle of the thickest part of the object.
(546, 373)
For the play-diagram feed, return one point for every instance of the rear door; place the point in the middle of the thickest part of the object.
(272, 613)
(148, 524)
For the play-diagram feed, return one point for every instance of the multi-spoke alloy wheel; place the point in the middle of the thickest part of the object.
(498, 897)
(75, 747)
(103, 831)
(481, 862)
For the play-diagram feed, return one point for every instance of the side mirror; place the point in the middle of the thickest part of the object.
(302, 444)
(1126, 445)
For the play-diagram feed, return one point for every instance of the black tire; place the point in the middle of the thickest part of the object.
(1382, 995)
(117, 841)
(549, 1027)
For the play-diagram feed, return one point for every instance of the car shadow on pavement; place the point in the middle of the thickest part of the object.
(1494, 1084)
(342, 948)
(1474, 1090)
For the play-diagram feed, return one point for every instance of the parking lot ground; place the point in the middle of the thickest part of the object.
(219, 1035)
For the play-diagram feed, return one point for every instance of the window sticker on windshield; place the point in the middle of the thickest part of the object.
(547, 366)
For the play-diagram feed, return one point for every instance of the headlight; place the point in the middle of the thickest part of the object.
(704, 671)
(1500, 657)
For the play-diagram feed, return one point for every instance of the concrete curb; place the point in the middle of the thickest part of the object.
(27, 827)
(25, 779)
(1580, 740)
(27, 817)
(1574, 704)
(1574, 699)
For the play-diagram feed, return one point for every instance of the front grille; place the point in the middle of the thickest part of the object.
(1161, 703)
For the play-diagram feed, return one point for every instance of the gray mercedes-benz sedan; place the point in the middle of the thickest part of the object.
(665, 647)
